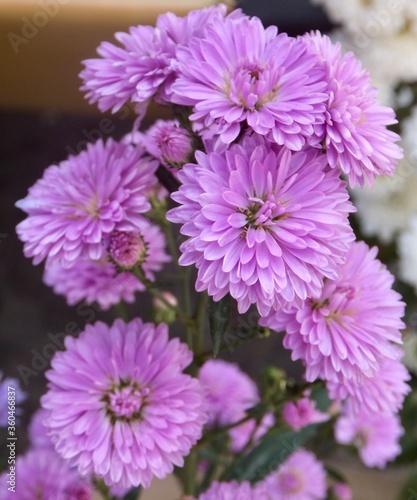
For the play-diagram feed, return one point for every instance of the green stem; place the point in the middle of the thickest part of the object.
(186, 272)
(137, 271)
(172, 245)
(219, 432)
(190, 473)
(103, 489)
(200, 318)
(121, 310)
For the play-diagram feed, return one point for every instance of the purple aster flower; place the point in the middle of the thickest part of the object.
(242, 74)
(300, 477)
(92, 281)
(303, 412)
(229, 391)
(375, 435)
(350, 330)
(38, 432)
(182, 29)
(144, 66)
(133, 72)
(234, 491)
(77, 204)
(41, 474)
(169, 143)
(10, 388)
(384, 392)
(265, 224)
(355, 134)
(119, 405)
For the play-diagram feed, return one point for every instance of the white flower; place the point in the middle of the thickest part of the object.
(371, 18)
(388, 207)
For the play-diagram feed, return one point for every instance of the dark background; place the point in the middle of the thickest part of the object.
(29, 311)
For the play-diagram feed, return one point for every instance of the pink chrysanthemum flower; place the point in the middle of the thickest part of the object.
(119, 405)
(350, 330)
(144, 66)
(42, 474)
(92, 281)
(355, 134)
(242, 74)
(303, 412)
(375, 435)
(265, 224)
(234, 491)
(300, 477)
(169, 143)
(16, 392)
(77, 204)
(229, 391)
(133, 72)
(384, 392)
(38, 435)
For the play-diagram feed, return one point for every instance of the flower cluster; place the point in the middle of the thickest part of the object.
(85, 219)
(350, 338)
(268, 133)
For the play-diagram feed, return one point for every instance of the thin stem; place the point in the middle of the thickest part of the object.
(200, 318)
(103, 489)
(172, 245)
(190, 473)
(222, 430)
(137, 271)
(121, 310)
(186, 272)
(183, 271)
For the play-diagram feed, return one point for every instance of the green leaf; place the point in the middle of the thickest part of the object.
(268, 455)
(133, 494)
(219, 313)
(320, 395)
(335, 474)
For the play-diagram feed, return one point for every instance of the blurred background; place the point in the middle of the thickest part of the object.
(43, 118)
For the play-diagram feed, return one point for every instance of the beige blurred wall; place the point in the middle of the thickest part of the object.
(42, 44)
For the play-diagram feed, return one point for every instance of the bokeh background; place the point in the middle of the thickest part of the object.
(43, 118)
